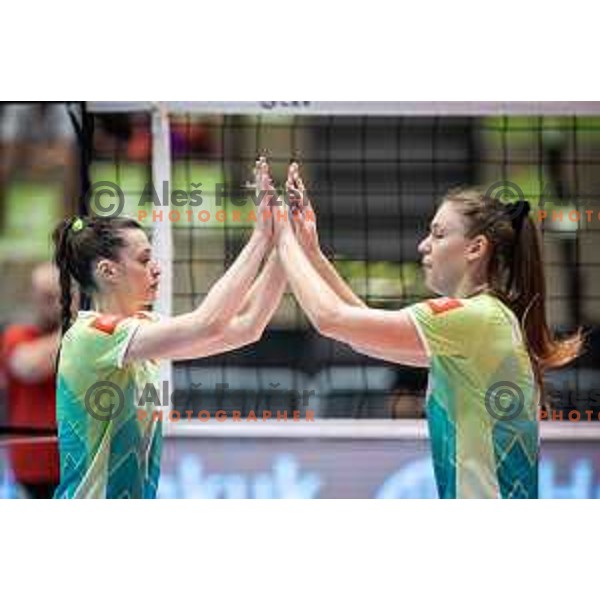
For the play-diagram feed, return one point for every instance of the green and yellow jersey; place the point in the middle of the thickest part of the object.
(106, 449)
(482, 399)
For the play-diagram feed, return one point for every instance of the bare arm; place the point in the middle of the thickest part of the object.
(308, 238)
(202, 332)
(388, 335)
(261, 303)
(189, 334)
(333, 279)
(337, 284)
(258, 308)
(35, 361)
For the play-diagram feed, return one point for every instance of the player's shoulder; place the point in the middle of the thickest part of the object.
(95, 326)
(445, 305)
(460, 308)
(92, 324)
(108, 323)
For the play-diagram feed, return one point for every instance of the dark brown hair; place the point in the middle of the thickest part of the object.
(78, 243)
(515, 272)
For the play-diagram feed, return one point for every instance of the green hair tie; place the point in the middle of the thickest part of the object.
(77, 225)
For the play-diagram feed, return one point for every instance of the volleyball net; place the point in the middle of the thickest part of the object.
(375, 172)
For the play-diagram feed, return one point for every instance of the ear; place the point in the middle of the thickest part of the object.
(106, 270)
(477, 248)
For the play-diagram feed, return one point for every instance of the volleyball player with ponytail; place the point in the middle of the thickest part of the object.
(486, 336)
(116, 346)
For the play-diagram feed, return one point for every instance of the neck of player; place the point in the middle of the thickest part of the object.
(115, 305)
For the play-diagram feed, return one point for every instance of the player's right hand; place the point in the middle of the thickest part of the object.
(305, 221)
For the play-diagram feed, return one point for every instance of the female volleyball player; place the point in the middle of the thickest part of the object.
(486, 340)
(109, 444)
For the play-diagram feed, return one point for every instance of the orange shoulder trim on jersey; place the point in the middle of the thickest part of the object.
(443, 305)
(106, 323)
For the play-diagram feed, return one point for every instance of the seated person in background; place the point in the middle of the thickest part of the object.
(28, 360)
(407, 398)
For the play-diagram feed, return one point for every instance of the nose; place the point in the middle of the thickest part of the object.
(155, 268)
(425, 245)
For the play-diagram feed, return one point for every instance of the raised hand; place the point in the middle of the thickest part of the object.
(305, 221)
(263, 185)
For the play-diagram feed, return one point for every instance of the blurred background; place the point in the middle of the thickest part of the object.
(375, 178)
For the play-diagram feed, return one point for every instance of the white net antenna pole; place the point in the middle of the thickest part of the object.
(162, 239)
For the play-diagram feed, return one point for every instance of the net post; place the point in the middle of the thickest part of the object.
(162, 239)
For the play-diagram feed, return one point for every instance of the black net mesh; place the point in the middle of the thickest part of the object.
(375, 182)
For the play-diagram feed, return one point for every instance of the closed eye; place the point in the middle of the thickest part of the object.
(145, 257)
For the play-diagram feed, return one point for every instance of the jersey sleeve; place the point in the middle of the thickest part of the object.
(106, 340)
(447, 326)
